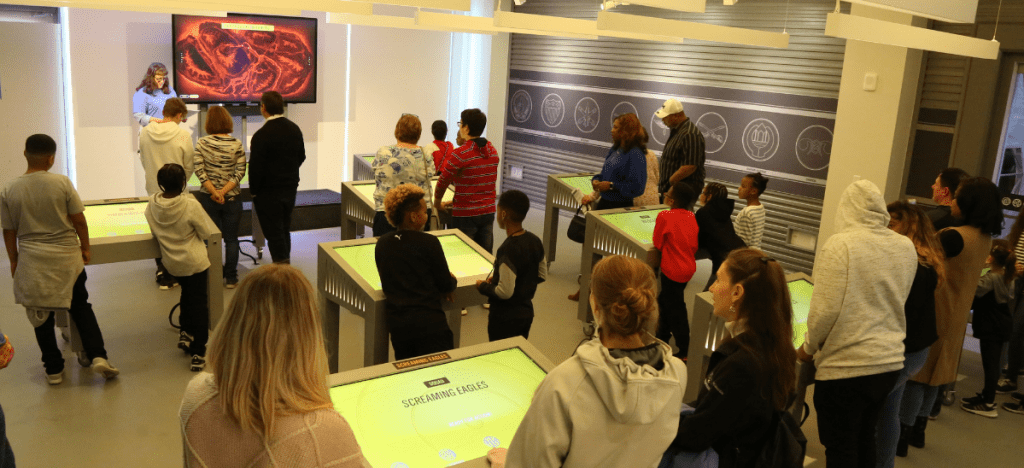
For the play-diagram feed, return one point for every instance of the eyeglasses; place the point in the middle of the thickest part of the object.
(460, 123)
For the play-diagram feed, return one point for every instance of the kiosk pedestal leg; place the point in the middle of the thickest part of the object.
(586, 265)
(348, 228)
(375, 342)
(550, 231)
(331, 319)
(454, 315)
(215, 280)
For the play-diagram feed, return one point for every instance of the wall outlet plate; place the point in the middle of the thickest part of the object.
(516, 172)
(870, 81)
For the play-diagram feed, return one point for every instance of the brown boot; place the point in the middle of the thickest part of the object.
(575, 296)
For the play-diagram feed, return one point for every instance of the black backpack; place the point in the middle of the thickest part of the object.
(785, 446)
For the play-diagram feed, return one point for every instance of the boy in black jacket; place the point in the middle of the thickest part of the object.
(414, 276)
(519, 267)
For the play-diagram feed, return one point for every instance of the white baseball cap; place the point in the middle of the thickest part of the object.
(670, 107)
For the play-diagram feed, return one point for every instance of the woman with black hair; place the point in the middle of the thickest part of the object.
(977, 205)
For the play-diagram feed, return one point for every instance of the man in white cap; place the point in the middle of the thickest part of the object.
(683, 157)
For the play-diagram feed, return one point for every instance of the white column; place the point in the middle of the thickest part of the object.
(872, 126)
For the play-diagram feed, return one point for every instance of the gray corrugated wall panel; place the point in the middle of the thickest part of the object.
(811, 66)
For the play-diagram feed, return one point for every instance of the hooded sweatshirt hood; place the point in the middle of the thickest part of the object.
(862, 207)
(633, 393)
(721, 209)
(164, 132)
(164, 143)
(180, 225)
(170, 211)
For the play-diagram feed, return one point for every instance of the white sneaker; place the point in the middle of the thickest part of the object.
(101, 366)
(55, 379)
(465, 312)
(487, 305)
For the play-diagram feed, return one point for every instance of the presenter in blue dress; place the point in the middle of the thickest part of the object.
(151, 94)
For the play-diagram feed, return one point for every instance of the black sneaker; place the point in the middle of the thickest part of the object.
(987, 410)
(184, 341)
(230, 283)
(198, 363)
(166, 281)
(1006, 386)
(1018, 396)
(1014, 407)
(974, 400)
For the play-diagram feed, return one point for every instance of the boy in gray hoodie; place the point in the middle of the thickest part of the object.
(180, 226)
(165, 142)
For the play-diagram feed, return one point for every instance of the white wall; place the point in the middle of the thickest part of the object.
(392, 72)
(396, 72)
(30, 93)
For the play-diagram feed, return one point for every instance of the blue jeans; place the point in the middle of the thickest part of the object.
(674, 458)
(226, 217)
(479, 228)
(889, 423)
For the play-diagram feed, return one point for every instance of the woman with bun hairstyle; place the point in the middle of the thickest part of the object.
(150, 96)
(752, 374)
(266, 401)
(615, 402)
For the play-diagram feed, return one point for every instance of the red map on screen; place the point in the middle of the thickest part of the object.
(239, 58)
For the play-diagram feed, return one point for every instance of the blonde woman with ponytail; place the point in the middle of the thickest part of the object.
(616, 401)
(265, 404)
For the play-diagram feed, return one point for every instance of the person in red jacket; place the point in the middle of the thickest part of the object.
(675, 237)
(473, 168)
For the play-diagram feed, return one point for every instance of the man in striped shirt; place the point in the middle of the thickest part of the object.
(473, 168)
(683, 156)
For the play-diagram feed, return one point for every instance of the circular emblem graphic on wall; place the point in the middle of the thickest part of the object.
(588, 115)
(761, 140)
(715, 130)
(552, 110)
(522, 106)
(814, 147)
(620, 109)
(659, 131)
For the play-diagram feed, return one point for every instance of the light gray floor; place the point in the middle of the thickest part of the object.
(132, 421)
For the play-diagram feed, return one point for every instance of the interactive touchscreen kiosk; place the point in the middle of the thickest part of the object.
(707, 331)
(622, 231)
(118, 232)
(347, 277)
(564, 193)
(443, 409)
(362, 166)
(358, 208)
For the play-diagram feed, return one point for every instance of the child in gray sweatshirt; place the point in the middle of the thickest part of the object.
(180, 226)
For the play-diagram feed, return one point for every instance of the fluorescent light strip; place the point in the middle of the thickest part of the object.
(953, 11)
(457, 5)
(695, 6)
(611, 21)
(481, 25)
(585, 28)
(213, 8)
(858, 28)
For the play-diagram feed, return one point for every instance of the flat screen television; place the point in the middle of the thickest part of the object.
(239, 57)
